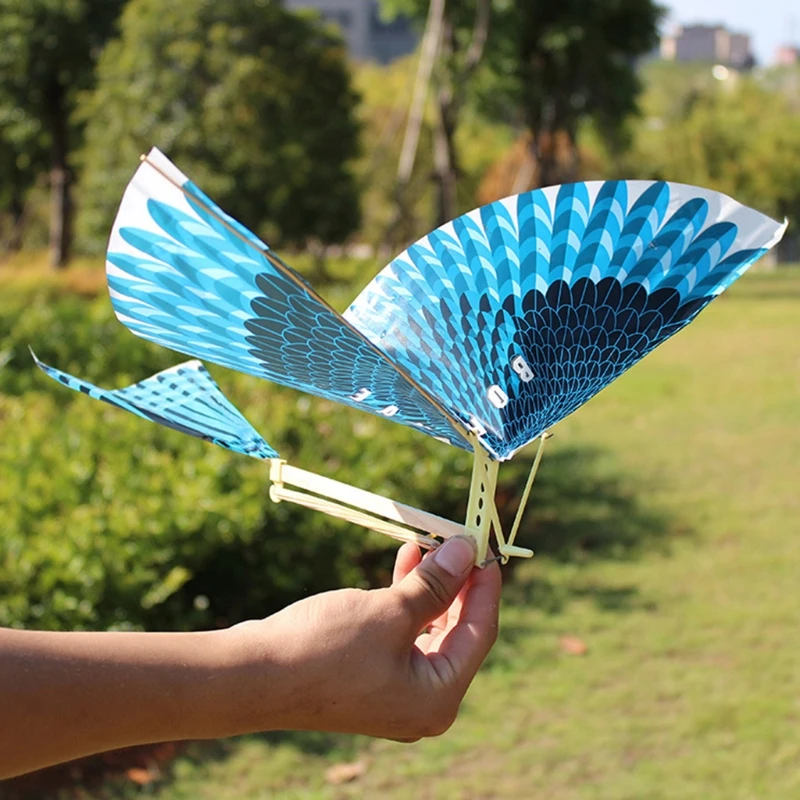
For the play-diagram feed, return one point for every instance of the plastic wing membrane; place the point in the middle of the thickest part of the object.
(185, 275)
(515, 314)
(184, 398)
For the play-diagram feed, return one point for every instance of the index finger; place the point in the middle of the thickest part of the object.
(408, 556)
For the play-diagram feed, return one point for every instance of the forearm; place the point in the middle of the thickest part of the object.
(349, 661)
(65, 695)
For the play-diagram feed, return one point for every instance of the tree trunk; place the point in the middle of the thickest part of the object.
(548, 173)
(444, 152)
(60, 180)
(428, 50)
(450, 100)
(444, 156)
(427, 58)
(17, 211)
(544, 145)
(59, 217)
(573, 168)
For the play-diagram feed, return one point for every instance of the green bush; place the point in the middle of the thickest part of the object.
(79, 336)
(107, 521)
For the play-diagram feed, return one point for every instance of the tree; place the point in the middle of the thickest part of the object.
(255, 103)
(567, 63)
(461, 54)
(47, 57)
(21, 150)
(461, 31)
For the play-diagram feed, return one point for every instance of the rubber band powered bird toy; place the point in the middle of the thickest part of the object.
(484, 334)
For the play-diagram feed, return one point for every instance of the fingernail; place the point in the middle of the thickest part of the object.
(456, 555)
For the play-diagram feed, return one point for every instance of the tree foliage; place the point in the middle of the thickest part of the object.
(738, 138)
(564, 64)
(48, 52)
(253, 102)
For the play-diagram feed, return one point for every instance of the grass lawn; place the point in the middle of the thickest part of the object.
(690, 687)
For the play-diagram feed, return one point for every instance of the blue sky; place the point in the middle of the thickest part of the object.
(769, 22)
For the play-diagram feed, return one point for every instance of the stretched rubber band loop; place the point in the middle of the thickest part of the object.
(528, 486)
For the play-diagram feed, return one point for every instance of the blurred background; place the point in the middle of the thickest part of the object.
(650, 649)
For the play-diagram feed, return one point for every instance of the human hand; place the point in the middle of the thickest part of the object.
(392, 662)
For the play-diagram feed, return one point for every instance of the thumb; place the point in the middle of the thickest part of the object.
(430, 589)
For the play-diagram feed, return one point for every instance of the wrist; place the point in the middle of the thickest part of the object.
(253, 687)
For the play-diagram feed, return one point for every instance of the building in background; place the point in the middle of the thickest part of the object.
(787, 55)
(367, 36)
(714, 44)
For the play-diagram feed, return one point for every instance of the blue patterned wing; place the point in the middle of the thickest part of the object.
(515, 314)
(184, 398)
(185, 275)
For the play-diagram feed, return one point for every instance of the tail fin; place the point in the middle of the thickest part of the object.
(184, 398)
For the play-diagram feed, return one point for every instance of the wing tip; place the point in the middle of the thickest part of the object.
(42, 366)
